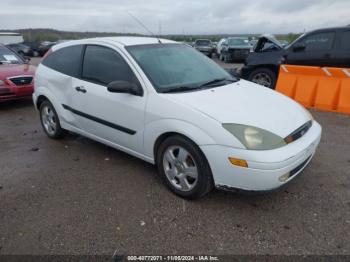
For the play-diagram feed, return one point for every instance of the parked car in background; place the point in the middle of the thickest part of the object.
(16, 76)
(165, 103)
(204, 46)
(323, 47)
(34, 46)
(21, 49)
(44, 47)
(219, 46)
(10, 38)
(235, 49)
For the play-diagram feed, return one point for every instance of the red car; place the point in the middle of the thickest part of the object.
(16, 76)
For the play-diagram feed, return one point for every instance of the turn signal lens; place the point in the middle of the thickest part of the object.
(238, 162)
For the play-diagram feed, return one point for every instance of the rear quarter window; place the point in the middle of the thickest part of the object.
(66, 60)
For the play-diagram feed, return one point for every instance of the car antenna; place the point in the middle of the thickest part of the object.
(144, 27)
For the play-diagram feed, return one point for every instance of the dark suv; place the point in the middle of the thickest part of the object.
(235, 49)
(323, 47)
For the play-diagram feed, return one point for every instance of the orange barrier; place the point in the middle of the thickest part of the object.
(324, 88)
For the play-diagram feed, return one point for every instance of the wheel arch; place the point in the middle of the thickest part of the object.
(274, 68)
(156, 132)
(163, 137)
(40, 100)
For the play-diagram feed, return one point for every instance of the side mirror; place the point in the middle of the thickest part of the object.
(124, 87)
(299, 47)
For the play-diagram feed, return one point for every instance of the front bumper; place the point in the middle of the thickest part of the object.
(264, 167)
(8, 92)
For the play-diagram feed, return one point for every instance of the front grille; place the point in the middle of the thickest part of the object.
(21, 80)
(298, 133)
(239, 52)
(242, 52)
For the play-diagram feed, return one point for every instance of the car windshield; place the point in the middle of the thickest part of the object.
(177, 67)
(9, 57)
(203, 42)
(238, 41)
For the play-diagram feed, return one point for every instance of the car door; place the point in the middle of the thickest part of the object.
(314, 49)
(115, 117)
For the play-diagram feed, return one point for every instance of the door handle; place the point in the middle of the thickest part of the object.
(81, 89)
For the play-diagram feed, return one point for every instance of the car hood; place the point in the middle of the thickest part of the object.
(267, 38)
(16, 70)
(248, 104)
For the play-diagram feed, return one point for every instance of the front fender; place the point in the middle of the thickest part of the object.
(155, 129)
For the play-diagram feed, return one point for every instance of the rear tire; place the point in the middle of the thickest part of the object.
(184, 168)
(50, 121)
(263, 76)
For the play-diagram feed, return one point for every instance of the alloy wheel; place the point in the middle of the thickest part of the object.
(180, 168)
(262, 79)
(49, 120)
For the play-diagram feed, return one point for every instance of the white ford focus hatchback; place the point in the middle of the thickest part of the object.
(168, 104)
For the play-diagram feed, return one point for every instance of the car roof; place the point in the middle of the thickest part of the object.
(119, 41)
(328, 29)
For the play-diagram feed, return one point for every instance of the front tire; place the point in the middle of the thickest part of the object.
(50, 121)
(184, 168)
(263, 76)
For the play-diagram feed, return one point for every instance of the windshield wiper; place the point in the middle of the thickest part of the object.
(180, 89)
(215, 81)
(210, 83)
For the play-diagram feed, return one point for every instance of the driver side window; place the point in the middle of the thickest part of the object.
(103, 65)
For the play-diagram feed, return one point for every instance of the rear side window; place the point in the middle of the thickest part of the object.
(318, 41)
(66, 60)
(345, 40)
(103, 65)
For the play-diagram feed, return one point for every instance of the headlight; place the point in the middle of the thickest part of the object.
(2, 83)
(254, 138)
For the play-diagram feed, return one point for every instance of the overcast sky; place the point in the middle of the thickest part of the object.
(176, 16)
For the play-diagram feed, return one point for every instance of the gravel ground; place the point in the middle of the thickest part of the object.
(76, 196)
